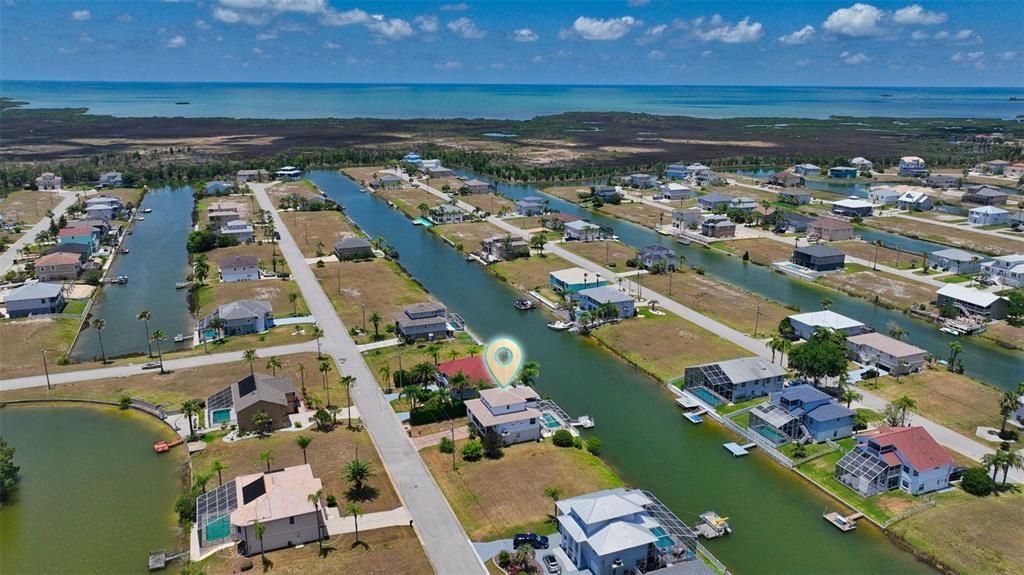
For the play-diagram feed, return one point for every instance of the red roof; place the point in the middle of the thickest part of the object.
(75, 232)
(473, 367)
(915, 444)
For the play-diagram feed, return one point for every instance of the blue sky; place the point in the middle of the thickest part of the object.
(808, 42)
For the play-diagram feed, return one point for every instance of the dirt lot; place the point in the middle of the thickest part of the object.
(312, 228)
(362, 175)
(570, 193)
(25, 338)
(609, 253)
(966, 239)
(490, 509)
(469, 235)
(27, 207)
(529, 273)
(886, 289)
(763, 251)
(1005, 335)
(303, 188)
(886, 256)
(409, 199)
(490, 203)
(276, 291)
(244, 205)
(531, 223)
(638, 213)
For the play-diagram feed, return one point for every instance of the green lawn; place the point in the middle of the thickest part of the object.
(75, 306)
(956, 279)
(727, 408)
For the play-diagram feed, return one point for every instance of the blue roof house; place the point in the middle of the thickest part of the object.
(591, 299)
(216, 188)
(801, 413)
(842, 172)
(713, 200)
(35, 299)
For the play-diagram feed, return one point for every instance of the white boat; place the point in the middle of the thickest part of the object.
(559, 325)
(179, 338)
(683, 241)
(147, 210)
(141, 218)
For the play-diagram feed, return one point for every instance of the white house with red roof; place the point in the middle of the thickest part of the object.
(905, 458)
(510, 412)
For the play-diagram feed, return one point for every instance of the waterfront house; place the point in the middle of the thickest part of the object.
(240, 401)
(786, 179)
(221, 213)
(239, 268)
(412, 158)
(883, 195)
(942, 181)
(79, 235)
(572, 280)
(505, 247)
(676, 191)
(702, 175)
(1009, 270)
(686, 218)
(476, 187)
(795, 197)
(58, 266)
(819, 258)
(217, 188)
(912, 167)
(288, 173)
(954, 260)
(863, 165)
(914, 201)
(971, 301)
(48, 181)
(386, 182)
(717, 227)
(805, 324)
(100, 211)
(807, 170)
(447, 214)
(714, 200)
(607, 193)
(734, 380)
(743, 203)
(110, 180)
(792, 222)
(112, 204)
(984, 195)
(581, 231)
(242, 176)
(852, 208)
(987, 216)
(842, 172)
(556, 222)
(905, 458)
(612, 532)
(531, 206)
(677, 172)
(35, 298)
(440, 173)
(801, 413)
(1014, 171)
(80, 250)
(655, 254)
(472, 367)
(241, 317)
(433, 164)
(890, 354)
(994, 167)
(241, 230)
(591, 299)
(510, 412)
(831, 229)
(354, 248)
(427, 320)
(642, 181)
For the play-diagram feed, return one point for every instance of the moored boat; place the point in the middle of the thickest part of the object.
(559, 325)
(524, 304)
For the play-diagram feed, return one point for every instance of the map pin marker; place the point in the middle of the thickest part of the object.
(503, 359)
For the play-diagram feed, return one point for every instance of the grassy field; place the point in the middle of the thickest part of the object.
(886, 256)
(643, 214)
(969, 534)
(609, 253)
(408, 200)
(126, 194)
(762, 251)
(469, 235)
(304, 188)
(312, 228)
(1005, 335)
(276, 291)
(665, 345)
(406, 356)
(27, 206)
(362, 175)
(491, 508)
(885, 289)
(25, 338)
(965, 239)
(570, 193)
(490, 203)
(531, 223)
(529, 273)
(265, 252)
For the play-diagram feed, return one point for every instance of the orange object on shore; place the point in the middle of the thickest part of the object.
(163, 446)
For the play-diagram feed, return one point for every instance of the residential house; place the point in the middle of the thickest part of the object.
(240, 401)
(677, 172)
(80, 235)
(642, 181)
(793, 222)
(890, 354)
(984, 195)
(426, 165)
(1009, 270)
(510, 412)
(437, 173)
(572, 280)
(477, 374)
(735, 380)
(795, 197)
(386, 182)
(1015, 170)
(58, 266)
(912, 167)
(531, 206)
(581, 231)
(905, 458)
(217, 188)
(505, 247)
(954, 260)
(942, 181)
(655, 254)
(288, 173)
(110, 180)
(100, 211)
(36, 298)
(676, 191)
(607, 193)
(241, 317)
(556, 222)
(686, 218)
(412, 158)
(354, 248)
(476, 187)
(702, 175)
(786, 179)
(883, 195)
(843, 172)
(1017, 218)
(426, 320)
(220, 214)
(831, 229)
(852, 208)
(807, 170)
(241, 230)
(113, 201)
(971, 301)
(239, 268)
(995, 167)
(863, 165)
(801, 413)
(81, 250)
(819, 258)
(743, 204)
(447, 214)
(48, 181)
(717, 226)
(805, 324)
(591, 299)
(714, 200)
(914, 201)
(987, 216)
(242, 176)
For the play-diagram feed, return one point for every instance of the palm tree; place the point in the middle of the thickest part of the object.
(423, 373)
(849, 396)
(775, 345)
(434, 350)
(325, 368)
(260, 529)
(355, 511)
(1007, 405)
(385, 374)
(217, 467)
(475, 349)
(358, 472)
(954, 354)
(272, 364)
(411, 393)
(523, 555)
(145, 316)
(268, 458)
(261, 420)
(192, 408)
(453, 354)
(786, 346)
(555, 494)
(424, 209)
(375, 319)
(99, 325)
(302, 377)
(459, 381)
(201, 268)
(826, 303)
(249, 356)
(292, 298)
(315, 498)
(993, 461)
(158, 336)
(530, 372)
(317, 334)
(537, 243)
(303, 442)
(347, 381)
(1011, 459)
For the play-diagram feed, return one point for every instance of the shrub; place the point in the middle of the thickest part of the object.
(332, 501)
(492, 445)
(594, 445)
(124, 402)
(472, 451)
(430, 414)
(504, 557)
(447, 445)
(976, 481)
(562, 438)
(577, 442)
(1009, 435)
(92, 277)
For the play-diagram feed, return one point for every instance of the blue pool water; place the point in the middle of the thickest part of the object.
(705, 395)
(549, 421)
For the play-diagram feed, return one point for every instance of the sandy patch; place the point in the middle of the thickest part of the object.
(736, 143)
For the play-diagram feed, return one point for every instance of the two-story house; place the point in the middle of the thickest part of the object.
(58, 266)
(801, 413)
(447, 214)
(905, 458)
(37, 298)
(592, 299)
(504, 247)
(510, 412)
(426, 320)
(912, 167)
(572, 280)
(890, 354)
(241, 230)
(1009, 270)
(805, 324)
(239, 268)
(819, 258)
(581, 231)
(734, 380)
(914, 201)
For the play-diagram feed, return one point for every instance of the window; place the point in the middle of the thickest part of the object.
(291, 521)
(533, 420)
(905, 484)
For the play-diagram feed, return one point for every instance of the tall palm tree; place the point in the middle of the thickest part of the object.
(993, 461)
(145, 316)
(315, 498)
(523, 555)
(375, 319)
(268, 458)
(1008, 404)
(954, 354)
(201, 269)
(272, 364)
(158, 336)
(385, 374)
(1011, 460)
(218, 467)
(317, 334)
(302, 376)
(775, 344)
(434, 350)
(99, 325)
(826, 303)
(292, 298)
(412, 394)
(303, 442)
(347, 381)
(191, 408)
(355, 511)
(325, 368)
(849, 396)
(423, 373)
(249, 356)
(260, 529)
(453, 354)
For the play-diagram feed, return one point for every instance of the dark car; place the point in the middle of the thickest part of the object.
(531, 539)
(551, 564)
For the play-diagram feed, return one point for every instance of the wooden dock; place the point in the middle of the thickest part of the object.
(847, 523)
(159, 559)
(737, 449)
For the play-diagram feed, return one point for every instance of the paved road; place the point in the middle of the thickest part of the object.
(443, 538)
(131, 369)
(7, 258)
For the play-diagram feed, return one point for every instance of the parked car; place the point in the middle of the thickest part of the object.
(151, 365)
(551, 564)
(531, 539)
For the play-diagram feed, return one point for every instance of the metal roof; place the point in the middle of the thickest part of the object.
(37, 290)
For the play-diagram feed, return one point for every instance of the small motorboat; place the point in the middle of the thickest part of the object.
(124, 250)
(141, 218)
(683, 241)
(119, 280)
(559, 325)
(524, 304)
(147, 210)
(182, 285)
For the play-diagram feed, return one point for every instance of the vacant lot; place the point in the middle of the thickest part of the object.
(886, 256)
(609, 253)
(497, 498)
(490, 203)
(529, 273)
(880, 287)
(966, 239)
(1005, 335)
(469, 235)
(406, 356)
(275, 290)
(313, 229)
(530, 223)
(570, 193)
(363, 175)
(27, 207)
(638, 213)
(24, 339)
(270, 258)
(371, 286)
(304, 188)
(763, 251)
(409, 200)
(665, 345)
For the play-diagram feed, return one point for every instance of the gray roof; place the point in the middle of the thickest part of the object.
(819, 251)
(803, 392)
(797, 218)
(239, 262)
(263, 388)
(244, 308)
(715, 197)
(37, 290)
(956, 255)
(352, 244)
(424, 307)
(448, 208)
(580, 225)
(605, 294)
(750, 368)
(657, 250)
(985, 191)
(829, 411)
(70, 248)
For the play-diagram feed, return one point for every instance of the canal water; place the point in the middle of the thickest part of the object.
(157, 259)
(985, 362)
(776, 518)
(93, 496)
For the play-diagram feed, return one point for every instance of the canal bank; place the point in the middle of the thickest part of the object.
(775, 517)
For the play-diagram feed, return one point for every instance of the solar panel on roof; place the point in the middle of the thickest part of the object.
(253, 490)
(246, 386)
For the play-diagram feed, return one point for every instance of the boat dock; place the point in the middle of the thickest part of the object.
(694, 416)
(737, 449)
(159, 559)
(847, 523)
(712, 525)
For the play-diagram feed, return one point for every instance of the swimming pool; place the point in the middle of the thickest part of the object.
(221, 416)
(706, 396)
(664, 540)
(549, 421)
(771, 434)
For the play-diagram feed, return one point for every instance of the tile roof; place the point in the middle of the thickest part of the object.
(915, 444)
(831, 224)
(67, 232)
(472, 367)
(285, 494)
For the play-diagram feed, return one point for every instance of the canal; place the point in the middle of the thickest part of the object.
(987, 363)
(776, 517)
(93, 496)
(157, 259)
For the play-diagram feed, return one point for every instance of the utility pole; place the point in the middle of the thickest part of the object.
(757, 319)
(47, 371)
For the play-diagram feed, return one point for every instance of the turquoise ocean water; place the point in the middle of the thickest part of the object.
(261, 100)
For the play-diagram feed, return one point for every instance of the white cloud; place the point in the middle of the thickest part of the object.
(266, 36)
(301, 6)
(178, 41)
(391, 29)
(525, 35)
(744, 31)
(1007, 56)
(915, 14)
(656, 55)
(854, 58)
(460, 7)
(328, 45)
(919, 36)
(652, 34)
(201, 25)
(257, 51)
(229, 16)
(975, 59)
(966, 37)
(466, 28)
(858, 21)
(538, 60)
(636, 3)
(798, 37)
(124, 18)
(346, 18)
(706, 53)
(427, 24)
(81, 15)
(85, 38)
(598, 29)
(448, 66)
